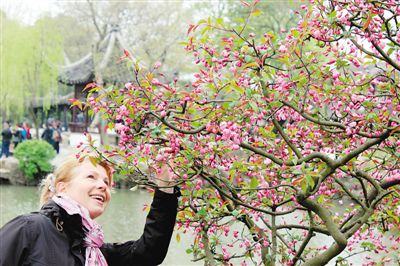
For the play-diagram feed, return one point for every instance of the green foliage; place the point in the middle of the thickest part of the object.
(34, 158)
(122, 179)
(119, 176)
(28, 67)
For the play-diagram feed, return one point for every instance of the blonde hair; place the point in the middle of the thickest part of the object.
(63, 173)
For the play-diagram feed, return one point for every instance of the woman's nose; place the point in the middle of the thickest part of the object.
(102, 184)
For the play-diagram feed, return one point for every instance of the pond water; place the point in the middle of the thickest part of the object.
(124, 219)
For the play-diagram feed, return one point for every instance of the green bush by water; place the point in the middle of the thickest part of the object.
(34, 158)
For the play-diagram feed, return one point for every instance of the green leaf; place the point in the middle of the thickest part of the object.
(254, 183)
(373, 116)
(219, 21)
(320, 199)
(249, 92)
(253, 106)
(155, 131)
(256, 12)
(236, 213)
(202, 212)
(295, 33)
(232, 104)
(310, 181)
(189, 251)
(304, 186)
(332, 15)
(297, 172)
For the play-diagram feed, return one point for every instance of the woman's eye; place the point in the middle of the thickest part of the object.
(107, 183)
(90, 176)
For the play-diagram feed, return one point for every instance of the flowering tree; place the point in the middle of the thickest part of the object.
(276, 142)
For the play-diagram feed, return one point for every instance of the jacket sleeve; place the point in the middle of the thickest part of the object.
(15, 239)
(151, 248)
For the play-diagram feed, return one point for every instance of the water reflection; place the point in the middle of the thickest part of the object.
(124, 219)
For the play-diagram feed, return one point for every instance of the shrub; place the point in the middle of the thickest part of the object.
(34, 158)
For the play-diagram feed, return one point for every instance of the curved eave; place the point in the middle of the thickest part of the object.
(78, 72)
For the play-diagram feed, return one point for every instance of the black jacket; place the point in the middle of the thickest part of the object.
(6, 134)
(52, 237)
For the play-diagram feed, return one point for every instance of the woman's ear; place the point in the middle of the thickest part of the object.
(60, 187)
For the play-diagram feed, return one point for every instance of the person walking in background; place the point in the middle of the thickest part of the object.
(47, 134)
(19, 135)
(6, 135)
(23, 132)
(27, 128)
(64, 231)
(57, 138)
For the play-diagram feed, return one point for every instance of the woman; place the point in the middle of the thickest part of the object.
(63, 232)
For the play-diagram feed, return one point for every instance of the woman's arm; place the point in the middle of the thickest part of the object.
(152, 246)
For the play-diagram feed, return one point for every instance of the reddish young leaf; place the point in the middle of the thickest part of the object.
(395, 130)
(245, 3)
(191, 26)
(90, 86)
(297, 181)
(364, 28)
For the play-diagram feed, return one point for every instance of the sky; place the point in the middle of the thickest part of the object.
(28, 11)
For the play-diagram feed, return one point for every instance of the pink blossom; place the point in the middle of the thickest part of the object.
(155, 81)
(157, 65)
(282, 49)
(335, 74)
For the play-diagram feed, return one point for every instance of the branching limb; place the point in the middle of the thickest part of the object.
(281, 238)
(350, 194)
(305, 242)
(212, 180)
(312, 119)
(168, 124)
(302, 227)
(340, 239)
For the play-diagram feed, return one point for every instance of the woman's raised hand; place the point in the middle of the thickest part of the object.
(164, 177)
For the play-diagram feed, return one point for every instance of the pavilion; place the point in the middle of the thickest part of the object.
(102, 65)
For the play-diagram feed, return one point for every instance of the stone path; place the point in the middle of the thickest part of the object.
(68, 146)
(65, 151)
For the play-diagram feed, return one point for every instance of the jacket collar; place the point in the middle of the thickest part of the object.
(71, 225)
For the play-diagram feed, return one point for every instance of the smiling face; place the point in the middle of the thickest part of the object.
(89, 186)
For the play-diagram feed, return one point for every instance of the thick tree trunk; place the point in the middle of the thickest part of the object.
(274, 241)
(209, 259)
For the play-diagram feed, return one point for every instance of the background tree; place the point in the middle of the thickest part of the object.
(159, 45)
(28, 73)
(90, 20)
(275, 16)
(277, 141)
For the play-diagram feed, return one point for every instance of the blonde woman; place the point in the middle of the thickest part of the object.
(64, 232)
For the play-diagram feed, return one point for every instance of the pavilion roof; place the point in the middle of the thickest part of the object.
(102, 64)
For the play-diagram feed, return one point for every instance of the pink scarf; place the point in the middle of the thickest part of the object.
(94, 236)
